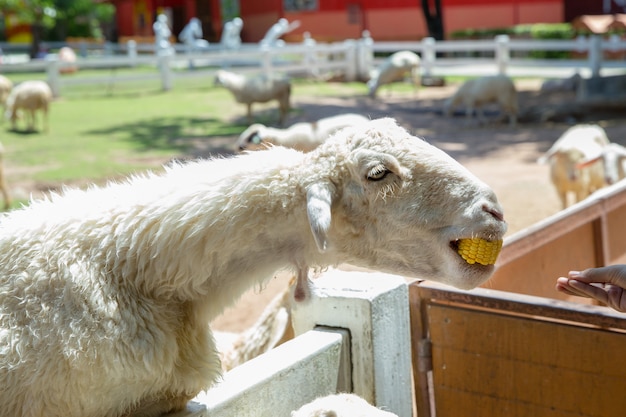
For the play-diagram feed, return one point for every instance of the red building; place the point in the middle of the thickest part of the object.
(335, 20)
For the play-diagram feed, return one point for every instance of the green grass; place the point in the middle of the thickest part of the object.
(102, 131)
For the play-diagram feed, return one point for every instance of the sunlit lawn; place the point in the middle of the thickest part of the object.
(103, 131)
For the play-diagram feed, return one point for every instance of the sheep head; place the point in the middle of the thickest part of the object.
(252, 138)
(397, 204)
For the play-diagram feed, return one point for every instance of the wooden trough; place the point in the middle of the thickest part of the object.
(517, 348)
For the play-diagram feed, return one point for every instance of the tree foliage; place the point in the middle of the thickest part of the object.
(58, 19)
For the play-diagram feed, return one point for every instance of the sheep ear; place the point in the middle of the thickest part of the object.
(318, 207)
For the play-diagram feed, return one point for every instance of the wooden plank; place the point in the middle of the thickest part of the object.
(511, 303)
(452, 403)
(526, 362)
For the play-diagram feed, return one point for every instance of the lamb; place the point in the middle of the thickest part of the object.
(395, 68)
(574, 162)
(257, 89)
(612, 159)
(30, 96)
(271, 329)
(303, 136)
(106, 293)
(477, 92)
(340, 405)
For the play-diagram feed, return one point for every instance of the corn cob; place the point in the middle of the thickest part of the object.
(479, 250)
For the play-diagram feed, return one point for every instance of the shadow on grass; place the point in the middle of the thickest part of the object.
(188, 137)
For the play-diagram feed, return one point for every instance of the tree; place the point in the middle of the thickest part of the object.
(61, 17)
(434, 18)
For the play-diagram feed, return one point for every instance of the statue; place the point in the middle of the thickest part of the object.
(231, 35)
(191, 35)
(277, 30)
(162, 35)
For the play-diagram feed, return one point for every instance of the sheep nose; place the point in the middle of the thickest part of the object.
(497, 214)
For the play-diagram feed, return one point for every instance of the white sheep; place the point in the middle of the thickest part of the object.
(575, 166)
(272, 328)
(106, 294)
(395, 68)
(303, 136)
(475, 93)
(257, 89)
(340, 405)
(612, 158)
(6, 86)
(29, 96)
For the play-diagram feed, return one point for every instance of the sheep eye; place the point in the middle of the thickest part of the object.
(256, 139)
(377, 173)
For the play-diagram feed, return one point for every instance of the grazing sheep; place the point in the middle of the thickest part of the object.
(67, 56)
(257, 89)
(4, 188)
(574, 160)
(106, 293)
(340, 405)
(29, 96)
(475, 93)
(271, 329)
(395, 68)
(303, 136)
(6, 86)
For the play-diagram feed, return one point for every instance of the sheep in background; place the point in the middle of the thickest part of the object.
(67, 56)
(6, 86)
(340, 405)
(106, 294)
(569, 84)
(395, 68)
(475, 93)
(30, 97)
(271, 329)
(257, 89)
(303, 136)
(612, 158)
(570, 168)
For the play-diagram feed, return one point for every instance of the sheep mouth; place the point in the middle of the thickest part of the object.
(477, 251)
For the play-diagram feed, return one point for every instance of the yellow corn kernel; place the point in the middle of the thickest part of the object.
(479, 250)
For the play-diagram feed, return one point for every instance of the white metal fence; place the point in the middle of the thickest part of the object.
(351, 59)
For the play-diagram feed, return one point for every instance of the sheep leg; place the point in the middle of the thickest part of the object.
(249, 114)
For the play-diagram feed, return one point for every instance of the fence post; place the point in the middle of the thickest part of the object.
(374, 307)
(595, 54)
(266, 59)
(351, 58)
(54, 76)
(428, 56)
(310, 57)
(503, 53)
(365, 55)
(132, 52)
(165, 70)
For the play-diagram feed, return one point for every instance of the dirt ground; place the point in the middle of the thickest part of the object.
(502, 156)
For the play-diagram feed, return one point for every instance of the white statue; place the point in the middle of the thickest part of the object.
(191, 35)
(162, 35)
(278, 29)
(231, 35)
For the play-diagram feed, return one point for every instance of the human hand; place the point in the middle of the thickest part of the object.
(606, 284)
